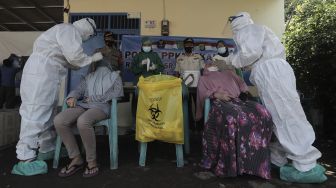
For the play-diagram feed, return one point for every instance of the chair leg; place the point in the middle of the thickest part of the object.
(179, 155)
(113, 150)
(143, 150)
(206, 109)
(57, 151)
(113, 139)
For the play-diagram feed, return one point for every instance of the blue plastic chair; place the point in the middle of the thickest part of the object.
(178, 147)
(206, 109)
(112, 127)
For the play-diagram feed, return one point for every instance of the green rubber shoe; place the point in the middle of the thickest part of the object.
(30, 168)
(315, 175)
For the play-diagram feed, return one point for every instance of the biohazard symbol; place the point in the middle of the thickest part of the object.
(155, 112)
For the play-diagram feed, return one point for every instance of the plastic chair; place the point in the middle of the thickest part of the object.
(112, 127)
(206, 109)
(178, 147)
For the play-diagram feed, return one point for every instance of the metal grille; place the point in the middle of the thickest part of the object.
(117, 23)
(101, 21)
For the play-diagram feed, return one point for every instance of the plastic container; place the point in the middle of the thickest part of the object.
(191, 78)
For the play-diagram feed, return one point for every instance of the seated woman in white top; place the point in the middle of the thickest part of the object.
(94, 94)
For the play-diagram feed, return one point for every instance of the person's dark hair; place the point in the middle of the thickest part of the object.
(108, 34)
(24, 59)
(227, 49)
(188, 40)
(220, 42)
(7, 62)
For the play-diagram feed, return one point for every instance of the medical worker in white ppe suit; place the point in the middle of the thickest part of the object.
(54, 51)
(261, 50)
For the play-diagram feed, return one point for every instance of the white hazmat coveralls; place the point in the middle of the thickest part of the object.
(55, 50)
(260, 48)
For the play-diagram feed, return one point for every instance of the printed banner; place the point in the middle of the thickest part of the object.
(168, 48)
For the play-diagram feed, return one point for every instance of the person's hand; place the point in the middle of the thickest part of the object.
(244, 96)
(212, 68)
(218, 58)
(144, 62)
(71, 102)
(224, 96)
(86, 100)
(153, 67)
(97, 57)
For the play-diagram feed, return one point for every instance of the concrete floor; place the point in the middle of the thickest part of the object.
(160, 171)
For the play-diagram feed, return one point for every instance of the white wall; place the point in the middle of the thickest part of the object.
(20, 43)
(198, 18)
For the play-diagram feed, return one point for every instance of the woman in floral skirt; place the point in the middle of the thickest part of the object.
(238, 131)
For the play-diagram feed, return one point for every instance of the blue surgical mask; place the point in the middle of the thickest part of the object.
(146, 48)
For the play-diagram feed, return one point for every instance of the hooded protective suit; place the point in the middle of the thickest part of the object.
(54, 51)
(260, 48)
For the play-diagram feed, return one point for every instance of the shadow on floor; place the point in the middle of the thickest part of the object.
(160, 171)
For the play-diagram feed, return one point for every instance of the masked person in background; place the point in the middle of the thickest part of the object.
(55, 50)
(110, 53)
(7, 83)
(190, 62)
(259, 48)
(145, 63)
(223, 51)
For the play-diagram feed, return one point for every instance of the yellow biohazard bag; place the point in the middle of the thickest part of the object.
(159, 113)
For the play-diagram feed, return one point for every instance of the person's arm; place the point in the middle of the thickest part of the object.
(249, 46)
(79, 91)
(70, 43)
(178, 66)
(240, 82)
(120, 60)
(244, 93)
(160, 67)
(202, 94)
(223, 95)
(202, 64)
(136, 66)
(114, 92)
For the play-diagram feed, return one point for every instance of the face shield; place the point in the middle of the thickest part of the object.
(86, 28)
(93, 28)
(231, 18)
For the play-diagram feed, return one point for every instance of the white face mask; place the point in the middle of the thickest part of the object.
(213, 68)
(221, 50)
(146, 48)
